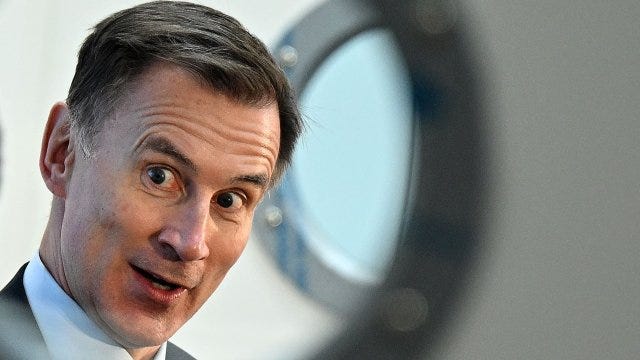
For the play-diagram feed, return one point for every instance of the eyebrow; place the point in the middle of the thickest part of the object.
(164, 146)
(259, 180)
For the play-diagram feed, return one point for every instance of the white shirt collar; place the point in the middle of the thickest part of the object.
(68, 332)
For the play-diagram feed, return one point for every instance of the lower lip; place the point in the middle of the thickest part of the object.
(160, 296)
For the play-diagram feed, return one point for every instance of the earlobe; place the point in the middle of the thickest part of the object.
(57, 152)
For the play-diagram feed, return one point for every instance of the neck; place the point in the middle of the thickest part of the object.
(49, 251)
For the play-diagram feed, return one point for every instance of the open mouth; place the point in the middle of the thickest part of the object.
(156, 282)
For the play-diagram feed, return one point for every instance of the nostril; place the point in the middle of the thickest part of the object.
(186, 246)
(169, 252)
(168, 241)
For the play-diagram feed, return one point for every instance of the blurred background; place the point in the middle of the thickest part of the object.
(557, 275)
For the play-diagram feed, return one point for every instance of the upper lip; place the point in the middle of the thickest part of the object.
(175, 278)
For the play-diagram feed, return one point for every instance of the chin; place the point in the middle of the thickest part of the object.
(140, 339)
(139, 331)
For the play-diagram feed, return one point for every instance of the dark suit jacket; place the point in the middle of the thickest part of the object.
(20, 337)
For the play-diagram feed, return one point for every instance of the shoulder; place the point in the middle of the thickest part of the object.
(14, 290)
(20, 336)
(175, 353)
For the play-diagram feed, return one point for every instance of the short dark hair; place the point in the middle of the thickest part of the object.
(213, 46)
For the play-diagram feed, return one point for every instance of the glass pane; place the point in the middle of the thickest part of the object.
(352, 166)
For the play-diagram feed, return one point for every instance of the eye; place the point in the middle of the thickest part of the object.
(230, 200)
(157, 175)
(161, 177)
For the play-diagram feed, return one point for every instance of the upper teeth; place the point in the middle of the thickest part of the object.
(160, 286)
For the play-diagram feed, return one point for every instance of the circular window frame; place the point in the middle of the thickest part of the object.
(440, 236)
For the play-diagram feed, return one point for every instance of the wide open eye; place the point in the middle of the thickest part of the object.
(161, 177)
(157, 175)
(229, 200)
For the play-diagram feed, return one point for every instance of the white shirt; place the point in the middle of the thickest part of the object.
(68, 332)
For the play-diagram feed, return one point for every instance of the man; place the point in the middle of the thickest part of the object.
(176, 124)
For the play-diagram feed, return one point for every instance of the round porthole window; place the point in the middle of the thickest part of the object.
(355, 155)
(379, 214)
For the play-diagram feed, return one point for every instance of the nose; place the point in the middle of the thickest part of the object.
(186, 235)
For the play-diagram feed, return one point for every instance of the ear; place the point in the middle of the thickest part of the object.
(57, 151)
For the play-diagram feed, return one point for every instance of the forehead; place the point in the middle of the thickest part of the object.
(169, 101)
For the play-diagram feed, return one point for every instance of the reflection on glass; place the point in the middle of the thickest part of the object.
(352, 166)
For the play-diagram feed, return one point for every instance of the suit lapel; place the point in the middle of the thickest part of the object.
(20, 337)
(175, 353)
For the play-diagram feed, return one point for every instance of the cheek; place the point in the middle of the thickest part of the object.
(93, 238)
(132, 214)
(85, 250)
(226, 249)
(238, 239)
(100, 231)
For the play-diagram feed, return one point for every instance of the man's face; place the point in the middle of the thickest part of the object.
(157, 216)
